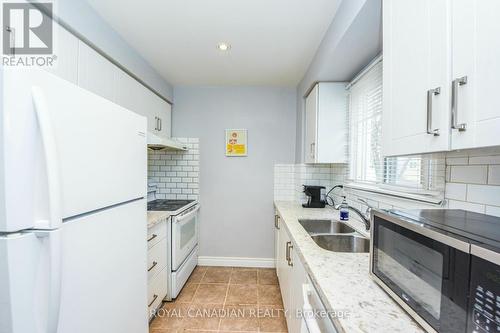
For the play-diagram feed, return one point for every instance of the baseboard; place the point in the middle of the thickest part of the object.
(236, 262)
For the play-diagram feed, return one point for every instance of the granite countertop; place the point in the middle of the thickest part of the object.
(157, 217)
(342, 279)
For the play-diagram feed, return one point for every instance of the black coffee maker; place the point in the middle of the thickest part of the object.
(313, 194)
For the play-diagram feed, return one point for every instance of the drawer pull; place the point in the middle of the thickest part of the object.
(154, 299)
(153, 266)
(152, 237)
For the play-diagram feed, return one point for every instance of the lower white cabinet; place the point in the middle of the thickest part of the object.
(297, 290)
(297, 279)
(292, 276)
(157, 258)
(157, 290)
(157, 266)
(276, 240)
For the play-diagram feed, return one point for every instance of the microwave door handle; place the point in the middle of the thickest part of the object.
(51, 161)
(180, 219)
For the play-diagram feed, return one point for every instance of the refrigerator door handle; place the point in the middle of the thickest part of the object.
(51, 161)
(52, 239)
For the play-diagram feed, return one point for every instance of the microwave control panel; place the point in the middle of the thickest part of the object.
(484, 304)
(486, 311)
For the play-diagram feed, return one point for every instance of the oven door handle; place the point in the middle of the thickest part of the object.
(180, 219)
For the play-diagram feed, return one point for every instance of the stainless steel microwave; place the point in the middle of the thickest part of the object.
(441, 266)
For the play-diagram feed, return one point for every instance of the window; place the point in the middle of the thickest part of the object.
(423, 174)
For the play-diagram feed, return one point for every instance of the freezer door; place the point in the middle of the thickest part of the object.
(30, 272)
(64, 151)
(89, 276)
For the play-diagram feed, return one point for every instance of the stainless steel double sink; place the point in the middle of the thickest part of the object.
(335, 236)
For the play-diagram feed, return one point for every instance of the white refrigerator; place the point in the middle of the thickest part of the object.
(72, 209)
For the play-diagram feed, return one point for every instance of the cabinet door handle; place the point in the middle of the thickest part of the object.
(430, 95)
(154, 299)
(290, 248)
(287, 252)
(152, 237)
(152, 266)
(156, 123)
(161, 124)
(277, 222)
(454, 104)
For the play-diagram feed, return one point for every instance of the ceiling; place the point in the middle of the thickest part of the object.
(272, 41)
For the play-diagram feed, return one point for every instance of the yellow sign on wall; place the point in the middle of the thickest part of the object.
(236, 142)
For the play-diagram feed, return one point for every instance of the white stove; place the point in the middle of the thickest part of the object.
(183, 229)
(174, 206)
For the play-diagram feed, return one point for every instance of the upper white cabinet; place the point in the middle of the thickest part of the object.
(132, 95)
(439, 69)
(80, 64)
(416, 71)
(66, 51)
(160, 113)
(128, 92)
(326, 123)
(95, 73)
(476, 69)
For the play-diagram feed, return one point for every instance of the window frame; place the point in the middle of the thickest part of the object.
(421, 191)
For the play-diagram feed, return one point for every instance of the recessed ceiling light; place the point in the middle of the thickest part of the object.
(223, 46)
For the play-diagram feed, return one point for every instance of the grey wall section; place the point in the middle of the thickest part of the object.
(236, 193)
(353, 39)
(80, 16)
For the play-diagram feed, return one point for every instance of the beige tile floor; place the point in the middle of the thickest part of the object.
(225, 299)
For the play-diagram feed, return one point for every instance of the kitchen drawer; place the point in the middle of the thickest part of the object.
(157, 258)
(157, 290)
(157, 233)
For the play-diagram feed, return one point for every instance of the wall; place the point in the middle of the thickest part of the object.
(175, 174)
(236, 193)
(80, 16)
(353, 39)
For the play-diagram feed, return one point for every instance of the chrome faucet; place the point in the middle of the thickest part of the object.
(366, 216)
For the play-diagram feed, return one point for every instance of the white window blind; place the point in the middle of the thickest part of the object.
(422, 174)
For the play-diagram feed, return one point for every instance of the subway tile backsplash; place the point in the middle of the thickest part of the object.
(472, 183)
(289, 178)
(175, 174)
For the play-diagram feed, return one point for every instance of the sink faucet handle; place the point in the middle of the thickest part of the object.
(365, 202)
(369, 206)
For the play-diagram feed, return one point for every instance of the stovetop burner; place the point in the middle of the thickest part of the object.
(167, 205)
